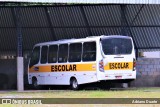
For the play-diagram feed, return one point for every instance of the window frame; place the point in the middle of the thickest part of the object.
(90, 52)
(61, 52)
(56, 52)
(102, 47)
(77, 52)
(46, 54)
(30, 65)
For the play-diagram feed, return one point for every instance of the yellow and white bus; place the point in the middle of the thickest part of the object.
(81, 61)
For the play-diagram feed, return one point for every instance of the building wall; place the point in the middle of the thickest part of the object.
(8, 73)
(148, 72)
(154, 54)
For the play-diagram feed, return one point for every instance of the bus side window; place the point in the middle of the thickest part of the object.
(75, 51)
(89, 51)
(52, 54)
(44, 51)
(63, 53)
(35, 56)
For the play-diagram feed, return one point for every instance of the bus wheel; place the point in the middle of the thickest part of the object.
(74, 84)
(35, 84)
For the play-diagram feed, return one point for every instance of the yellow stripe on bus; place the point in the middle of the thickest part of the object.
(119, 66)
(64, 68)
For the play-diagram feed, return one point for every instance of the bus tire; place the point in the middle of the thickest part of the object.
(74, 84)
(35, 83)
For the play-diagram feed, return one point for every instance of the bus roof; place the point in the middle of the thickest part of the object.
(90, 38)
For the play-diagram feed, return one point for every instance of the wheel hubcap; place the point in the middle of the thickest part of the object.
(35, 83)
(75, 84)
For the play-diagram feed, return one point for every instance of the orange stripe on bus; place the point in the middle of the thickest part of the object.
(64, 68)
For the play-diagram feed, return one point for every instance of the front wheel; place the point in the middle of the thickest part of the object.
(74, 84)
(35, 84)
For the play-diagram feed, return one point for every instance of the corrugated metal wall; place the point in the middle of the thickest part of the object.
(48, 23)
(93, 1)
(40, 24)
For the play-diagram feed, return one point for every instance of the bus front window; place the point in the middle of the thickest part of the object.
(115, 46)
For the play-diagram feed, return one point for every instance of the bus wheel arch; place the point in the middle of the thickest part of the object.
(35, 83)
(74, 83)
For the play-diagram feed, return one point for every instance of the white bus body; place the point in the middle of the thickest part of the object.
(80, 61)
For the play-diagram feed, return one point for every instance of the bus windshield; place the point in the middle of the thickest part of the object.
(115, 46)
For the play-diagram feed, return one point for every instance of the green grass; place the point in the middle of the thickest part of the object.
(114, 93)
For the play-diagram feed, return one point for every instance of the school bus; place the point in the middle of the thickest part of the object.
(80, 61)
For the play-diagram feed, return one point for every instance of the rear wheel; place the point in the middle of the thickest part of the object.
(74, 84)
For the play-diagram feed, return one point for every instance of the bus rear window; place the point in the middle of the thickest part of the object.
(114, 46)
